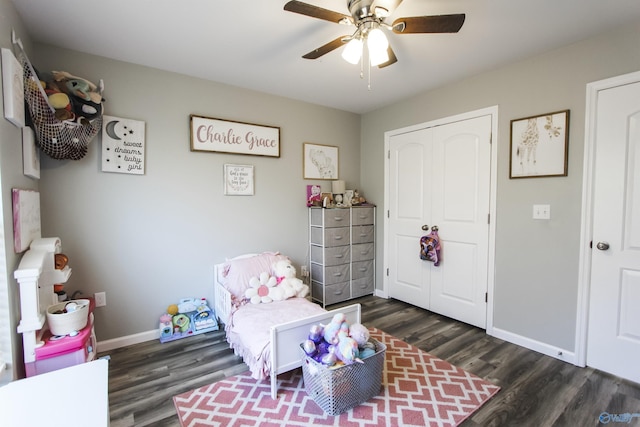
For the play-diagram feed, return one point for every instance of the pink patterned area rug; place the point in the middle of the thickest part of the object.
(418, 390)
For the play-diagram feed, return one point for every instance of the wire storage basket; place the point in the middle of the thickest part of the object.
(59, 139)
(337, 390)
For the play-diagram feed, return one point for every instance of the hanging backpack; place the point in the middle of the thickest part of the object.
(430, 247)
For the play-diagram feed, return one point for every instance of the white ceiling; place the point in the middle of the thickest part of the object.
(256, 44)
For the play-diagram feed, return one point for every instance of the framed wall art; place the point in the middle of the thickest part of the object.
(238, 180)
(13, 89)
(26, 218)
(226, 136)
(540, 146)
(123, 145)
(30, 154)
(319, 161)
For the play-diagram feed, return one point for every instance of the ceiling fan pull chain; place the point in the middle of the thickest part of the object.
(369, 76)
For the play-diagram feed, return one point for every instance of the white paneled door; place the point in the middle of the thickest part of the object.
(440, 176)
(613, 343)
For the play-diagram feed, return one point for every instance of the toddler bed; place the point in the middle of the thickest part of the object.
(266, 336)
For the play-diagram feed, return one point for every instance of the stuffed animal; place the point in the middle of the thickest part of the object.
(338, 323)
(263, 289)
(316, 333)
(86, 100)
(360, 333)
(285, 273)
(347, 349)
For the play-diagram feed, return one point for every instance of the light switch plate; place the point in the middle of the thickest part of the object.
(541, 211)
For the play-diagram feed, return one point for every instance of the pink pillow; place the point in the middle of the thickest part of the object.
(238, 271)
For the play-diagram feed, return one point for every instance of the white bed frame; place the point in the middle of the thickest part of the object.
(285, 337)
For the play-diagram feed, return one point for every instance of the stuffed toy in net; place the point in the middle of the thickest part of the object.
(65, 111)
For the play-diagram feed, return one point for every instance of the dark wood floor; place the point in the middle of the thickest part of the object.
(537, 390)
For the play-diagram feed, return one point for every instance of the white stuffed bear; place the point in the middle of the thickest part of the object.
(286, 277)
(263, 289)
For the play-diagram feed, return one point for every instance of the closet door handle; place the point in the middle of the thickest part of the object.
(603, 246)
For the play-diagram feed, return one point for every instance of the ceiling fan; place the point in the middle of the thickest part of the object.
(368, 16)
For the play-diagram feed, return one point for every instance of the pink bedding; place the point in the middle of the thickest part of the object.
(248, 330)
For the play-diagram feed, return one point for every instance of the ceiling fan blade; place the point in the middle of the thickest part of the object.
(392, 58)
(322, 50)
(315, 11)
(429, 24)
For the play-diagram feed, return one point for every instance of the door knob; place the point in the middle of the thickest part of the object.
(603, 246)
(425, 227)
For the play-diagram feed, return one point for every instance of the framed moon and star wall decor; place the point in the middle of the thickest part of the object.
(123, 145)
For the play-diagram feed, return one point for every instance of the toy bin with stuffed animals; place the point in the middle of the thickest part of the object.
(338, 389)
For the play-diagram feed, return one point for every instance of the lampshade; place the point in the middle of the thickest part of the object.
(353, 51)
(377, 44)
(338, 187)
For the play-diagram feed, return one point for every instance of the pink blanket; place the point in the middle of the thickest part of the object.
(248, 330)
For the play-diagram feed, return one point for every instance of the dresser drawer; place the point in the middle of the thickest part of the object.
(329, 237)
(362, 252)
(362, 269)
(362, 216)
(330, 275)
(336, 237)
(337, 292)
(332, 256)
(362, 287)
(330, 217)
(362, 234)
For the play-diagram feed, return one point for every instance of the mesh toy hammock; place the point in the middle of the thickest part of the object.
(58, 139)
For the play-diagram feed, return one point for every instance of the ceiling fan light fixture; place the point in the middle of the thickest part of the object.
(353, 51)
(377, 44)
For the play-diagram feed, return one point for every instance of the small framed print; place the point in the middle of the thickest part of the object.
(540, 146)
(30, 154)
(238, 180)
(319, 161)
(13, 89)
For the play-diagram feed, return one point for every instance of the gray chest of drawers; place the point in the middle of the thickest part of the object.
(342, 253)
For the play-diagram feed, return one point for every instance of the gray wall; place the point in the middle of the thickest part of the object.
(536, 261)
(150, 240)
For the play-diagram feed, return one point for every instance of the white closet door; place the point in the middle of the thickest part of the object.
(441, 176)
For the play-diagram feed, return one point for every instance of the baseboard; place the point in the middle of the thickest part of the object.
(112, 344)
(531, 344)
(381, 293)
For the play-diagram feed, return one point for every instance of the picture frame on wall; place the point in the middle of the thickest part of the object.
(30, 154)
(13, 88)
(540, 146)
(319, 161)
(238, 180)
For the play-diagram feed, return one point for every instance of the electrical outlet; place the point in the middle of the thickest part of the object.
(304, 271)
(101, 299)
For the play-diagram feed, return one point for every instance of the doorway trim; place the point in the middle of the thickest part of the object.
(586, 234)
(489, 111)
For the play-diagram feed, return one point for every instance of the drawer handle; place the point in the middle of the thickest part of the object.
(363, 269)
(363, 234)
(337, 218)
(337, 274)
(338, 293)
(339, 256)
(338, 237)
(364, 252)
